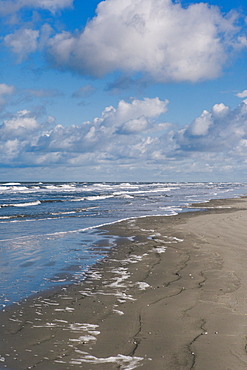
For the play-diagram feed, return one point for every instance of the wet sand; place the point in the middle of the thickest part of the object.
(171, 295)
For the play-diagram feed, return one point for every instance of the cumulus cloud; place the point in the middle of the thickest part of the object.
(134, 126)
(131, 134)
(11, 6)
(125, 111)
(160, 38)
(242, 94)
(20, 124)
(220, 130)
(18, 134)
(22, 42)
(103, 133)
(121, 132)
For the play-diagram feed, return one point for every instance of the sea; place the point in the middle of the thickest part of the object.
(48, 231)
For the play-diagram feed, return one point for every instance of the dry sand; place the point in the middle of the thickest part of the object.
(171, 295)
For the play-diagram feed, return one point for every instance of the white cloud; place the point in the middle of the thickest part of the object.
(220, 130)
(130, 136)
(23, 121)
(134, 126)
(200, 125)
(242, 42)
(242, 94)
(103, 133)
(161, 38)
(5, 90)
(11, 6)
(119, 132)
(9, 150)
(125, 111)
(220, 110)
(207, 122)
(22, 42)
(52, 5)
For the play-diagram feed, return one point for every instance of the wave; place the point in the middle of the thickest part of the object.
(6, 217)
(12, 183)
(59, 187)
(79, 210)
(126, 196)
(106, 187)
(140, 192)
(27, 204)
(99, 197)
(16, 187)
(63, 213)
(91, 197)
(77, 199)
(13, 188)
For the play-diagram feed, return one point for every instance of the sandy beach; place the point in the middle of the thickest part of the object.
(170, 295)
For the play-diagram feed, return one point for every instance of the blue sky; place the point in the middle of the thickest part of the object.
(134, 90)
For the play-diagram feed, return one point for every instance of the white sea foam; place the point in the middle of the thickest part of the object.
(63, 213)
(46, 325)
(177, 239)
(118, 312)
(122, 275)
(134, 258)
(66, 309)
(84, 326)
(94, 275)
(14, 189)
(142, 285)
(124, 362)
(27, 204)
(125, 196)
(12, 183)
(167, 239)
(49, 303)
(84, 339)
(99, 197)
(159, 249)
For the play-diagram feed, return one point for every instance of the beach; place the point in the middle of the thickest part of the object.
(170, 295)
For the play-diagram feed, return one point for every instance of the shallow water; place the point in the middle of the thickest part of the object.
(47, 230)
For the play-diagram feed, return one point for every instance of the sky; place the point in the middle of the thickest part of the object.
(123, 90)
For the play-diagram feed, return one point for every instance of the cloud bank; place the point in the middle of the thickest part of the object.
(120, 132)
(130, 135)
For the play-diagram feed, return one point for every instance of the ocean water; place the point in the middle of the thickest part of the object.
(48, 234)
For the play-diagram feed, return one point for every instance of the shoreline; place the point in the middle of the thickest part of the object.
(53, 259)
(170, 295)
(193, 207)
